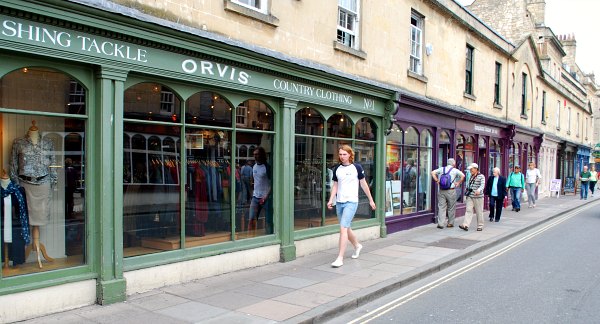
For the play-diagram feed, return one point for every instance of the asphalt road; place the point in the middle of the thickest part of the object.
(548, 275)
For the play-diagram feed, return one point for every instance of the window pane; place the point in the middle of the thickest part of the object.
(426, 138)
(259, 116)
(396, 135)
(42, 89)
(208, 183)
(308, 183)
(393, 194)
(366, 129)
(44, 158)
(151, 101)
(411, 137)
(309, 122)
(208, 108)
(332, 161)
(364, 154)
(424, 183)
(151, 221)
(339, 125)
(254, 212)
(409, 180)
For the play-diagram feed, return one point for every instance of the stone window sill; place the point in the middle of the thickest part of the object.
(349, 50)
(469, 96)
(250, 13)
(523, 116)
(417, 76)
(498, 106)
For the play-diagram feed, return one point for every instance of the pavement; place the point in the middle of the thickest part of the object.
(308, 289)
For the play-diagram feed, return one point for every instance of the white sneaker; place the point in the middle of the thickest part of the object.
(337, 263)
(357, 252)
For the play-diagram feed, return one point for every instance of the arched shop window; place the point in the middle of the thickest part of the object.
(410, 171)
(256, 132)
(495, 156)
(153, 143)
(465, 155)
(409, 163)
(44, 157)
(444, 148)
(530, 154)
(424, 176)
(316, 155)
(393, 188)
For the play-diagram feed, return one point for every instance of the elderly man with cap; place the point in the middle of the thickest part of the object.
(515, 183)
(474, 198)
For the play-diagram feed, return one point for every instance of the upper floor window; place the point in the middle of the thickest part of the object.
(569, 121)
(469, 71)
(558, 114)
(577, 128)
(258, 5)
(497, 83)
(543, 106)
(416, 43)
(524, 94)
(347, 30)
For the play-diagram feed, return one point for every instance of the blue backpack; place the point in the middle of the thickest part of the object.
(446, 179)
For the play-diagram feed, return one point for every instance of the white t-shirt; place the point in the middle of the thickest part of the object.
(262, 185)
(348, 178)
(531, 176)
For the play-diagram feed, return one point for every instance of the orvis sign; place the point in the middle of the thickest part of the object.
(91, 46)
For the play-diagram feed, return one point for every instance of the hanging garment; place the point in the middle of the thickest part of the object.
(15, 222)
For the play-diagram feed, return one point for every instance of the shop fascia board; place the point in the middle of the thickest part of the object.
(155, 30)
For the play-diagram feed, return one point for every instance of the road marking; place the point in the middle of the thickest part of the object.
(422, 290)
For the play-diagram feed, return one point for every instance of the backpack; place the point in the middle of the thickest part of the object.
(446, 179)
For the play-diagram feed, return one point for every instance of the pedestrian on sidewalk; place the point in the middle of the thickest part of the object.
(347, 176)
(474, 198)
(593, 179)
(446, 197)
(584, 178)
(495, 189)
(516, 183)
(532, 179)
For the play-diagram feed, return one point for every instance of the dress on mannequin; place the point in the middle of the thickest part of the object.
(30, 166)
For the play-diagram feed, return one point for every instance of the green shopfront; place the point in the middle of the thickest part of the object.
(134, 154)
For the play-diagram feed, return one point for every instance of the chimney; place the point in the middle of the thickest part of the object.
(569, 44)
(537, 9)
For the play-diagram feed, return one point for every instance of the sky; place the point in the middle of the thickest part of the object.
(578, 17)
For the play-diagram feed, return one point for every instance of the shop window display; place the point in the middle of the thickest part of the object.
(212, 209)
(313, 174)
(42, 180)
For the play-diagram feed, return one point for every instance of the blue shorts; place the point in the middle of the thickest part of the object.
(345, 212)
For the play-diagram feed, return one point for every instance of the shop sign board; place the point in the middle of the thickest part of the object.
(90, 48)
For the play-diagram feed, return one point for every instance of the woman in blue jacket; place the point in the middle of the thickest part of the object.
(495, 189)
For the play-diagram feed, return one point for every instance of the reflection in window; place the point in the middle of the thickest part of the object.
(309, 122)
(259, 115)
(208, 108)
(366, 129)
(58, 228)
(151, 101)
(339, 125)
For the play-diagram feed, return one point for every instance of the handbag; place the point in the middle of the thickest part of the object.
(505, 201)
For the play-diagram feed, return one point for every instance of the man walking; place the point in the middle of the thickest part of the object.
(448, 179)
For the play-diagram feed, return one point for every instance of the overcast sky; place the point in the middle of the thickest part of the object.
(579, 17)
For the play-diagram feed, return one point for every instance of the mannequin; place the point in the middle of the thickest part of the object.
(31, 167)
(15, 229)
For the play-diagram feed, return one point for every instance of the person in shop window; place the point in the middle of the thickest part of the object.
(261, 174)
